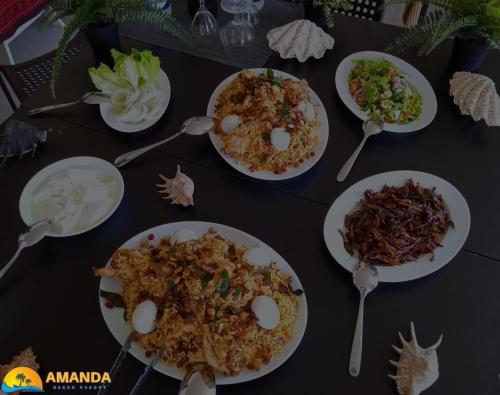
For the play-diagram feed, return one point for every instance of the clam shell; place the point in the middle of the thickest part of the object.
(476, 95)
(300, 39)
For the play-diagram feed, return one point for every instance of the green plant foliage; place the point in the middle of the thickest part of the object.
(101, 12)
(329, 5)
(477, 20)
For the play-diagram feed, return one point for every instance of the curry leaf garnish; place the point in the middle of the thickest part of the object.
(285, 112)
(237, 291)
(170, 284)
(223, 284)
(296, 292)
(230, 311)
(205, 277)
(113, 297)
(270, 74)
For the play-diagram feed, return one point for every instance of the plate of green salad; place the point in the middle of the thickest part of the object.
(382, 87)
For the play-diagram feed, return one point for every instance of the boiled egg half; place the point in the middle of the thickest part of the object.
(230, 123)
(183, 235)
(257, 256)
(144, 317)
(280, 139)
(267, 312)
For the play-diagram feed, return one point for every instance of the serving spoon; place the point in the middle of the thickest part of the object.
(30, 237)
(370, 128)
(89, 98)
(195, 126)
(365, 278)
(148, 322)
(199, 380)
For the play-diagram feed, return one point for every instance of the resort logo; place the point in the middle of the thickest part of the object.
(77, 380)
(23, 380)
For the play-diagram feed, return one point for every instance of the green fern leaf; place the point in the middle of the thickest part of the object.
(445, 31)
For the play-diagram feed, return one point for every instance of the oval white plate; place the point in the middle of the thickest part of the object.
(120, 329)
(291, 172)
(77, 161)
(129, 127)
(414, 76)
(453, 240)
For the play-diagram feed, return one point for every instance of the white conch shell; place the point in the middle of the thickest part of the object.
(476, 96)
(417, 367)
(180, 189)
(300, 39)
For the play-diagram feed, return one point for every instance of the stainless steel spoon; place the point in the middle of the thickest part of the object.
(33, 235)
(118, 361)
(370, 128)
(195, 126)
(199, 380)
(89, 98)
(138, 385)
(365, 278)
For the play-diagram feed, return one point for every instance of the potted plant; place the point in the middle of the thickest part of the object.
(474, 24)
(321, 12)
(98, 20)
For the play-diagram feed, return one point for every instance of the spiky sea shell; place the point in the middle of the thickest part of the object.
(18, 138)
(476, 96)
(417, 368)
(179, 189)
(300, 39)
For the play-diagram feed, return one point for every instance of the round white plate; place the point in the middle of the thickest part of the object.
(414, 76)
(129, 127)
(77, 161)
(120, 329)
(291, 172)
(453, 240)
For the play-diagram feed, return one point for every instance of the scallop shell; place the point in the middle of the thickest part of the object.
(476, 96)
(18, 138)
(300, 39)
(179, 189)
(417, 368)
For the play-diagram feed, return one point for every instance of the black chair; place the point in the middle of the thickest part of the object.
(25, 78)
(364, 9)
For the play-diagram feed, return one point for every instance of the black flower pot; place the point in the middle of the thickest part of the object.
(102, 39)
(194, 5)
(467, 55)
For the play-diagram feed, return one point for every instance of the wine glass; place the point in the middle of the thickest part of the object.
(204, 23)
(239, 31)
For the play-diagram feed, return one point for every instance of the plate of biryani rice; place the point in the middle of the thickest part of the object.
(407, 223)
(269, 124)
(221, 297)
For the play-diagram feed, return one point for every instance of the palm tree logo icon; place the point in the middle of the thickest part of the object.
(21, 378)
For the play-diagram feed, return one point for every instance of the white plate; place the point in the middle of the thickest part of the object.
(120, 329)
(414, 76)
(78, 161)
(129, 127)
(291, 172)
(453, 240)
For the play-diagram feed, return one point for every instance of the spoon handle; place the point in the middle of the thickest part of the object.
(344, 172)
(52, 107)
(12, 260)
(122, 160)
(357, 343)
(118, 361)
(147, 371)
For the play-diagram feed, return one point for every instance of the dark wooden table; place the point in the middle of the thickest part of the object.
(49, 299)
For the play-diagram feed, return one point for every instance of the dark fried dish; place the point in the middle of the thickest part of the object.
(396, 225)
